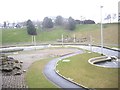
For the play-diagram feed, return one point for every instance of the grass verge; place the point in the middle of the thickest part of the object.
(35, 78)
(88, 75)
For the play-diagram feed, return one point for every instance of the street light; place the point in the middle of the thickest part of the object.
(101, 32)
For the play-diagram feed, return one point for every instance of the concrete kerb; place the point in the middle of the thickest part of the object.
(57, 72)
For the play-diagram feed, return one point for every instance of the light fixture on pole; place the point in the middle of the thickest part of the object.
(101, 32)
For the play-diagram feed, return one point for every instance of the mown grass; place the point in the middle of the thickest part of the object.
(35, 77)
(88, 75)
(15, 36)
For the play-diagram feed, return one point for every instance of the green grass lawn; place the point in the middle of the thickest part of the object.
(88, 75)
(35, 77)
(16, 36)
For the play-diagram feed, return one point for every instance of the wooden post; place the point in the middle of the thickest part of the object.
(90, 42)
(34, 40)
(74, 38)
(62, 39)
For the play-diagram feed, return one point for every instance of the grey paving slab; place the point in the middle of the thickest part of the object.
(1, 80)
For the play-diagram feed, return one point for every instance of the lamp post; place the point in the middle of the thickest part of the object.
(101, 32)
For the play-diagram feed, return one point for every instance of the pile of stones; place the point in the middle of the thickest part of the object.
(10, 66)
(12, 73)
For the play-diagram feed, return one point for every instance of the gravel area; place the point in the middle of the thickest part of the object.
(28, 57)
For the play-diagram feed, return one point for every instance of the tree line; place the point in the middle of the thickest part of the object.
(47, 22)
(59, 21)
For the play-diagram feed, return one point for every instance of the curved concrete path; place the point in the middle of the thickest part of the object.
(49, 72)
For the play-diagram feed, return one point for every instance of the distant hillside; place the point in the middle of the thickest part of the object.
(20, 36)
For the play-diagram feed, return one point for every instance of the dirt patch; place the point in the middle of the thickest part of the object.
(28, 57)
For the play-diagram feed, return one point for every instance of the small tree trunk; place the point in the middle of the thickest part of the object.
(32, 39)
(74, 38)
(90, 43)
(62, 40)
(110, 20)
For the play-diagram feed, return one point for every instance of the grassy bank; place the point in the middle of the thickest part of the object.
(88, 75)
(35, 78)
(18, 36)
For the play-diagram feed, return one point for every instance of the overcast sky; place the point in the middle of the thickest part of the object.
(21, 10)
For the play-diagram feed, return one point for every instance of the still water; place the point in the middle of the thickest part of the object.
(109, 64)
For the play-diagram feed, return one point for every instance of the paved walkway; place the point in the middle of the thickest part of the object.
(50, 73)
(0, 80)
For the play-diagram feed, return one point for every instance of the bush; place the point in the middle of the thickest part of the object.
(47, 23)
(71, 23)
(31, 28)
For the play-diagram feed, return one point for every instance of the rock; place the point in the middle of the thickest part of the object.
(10, 66)
(24, 70)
